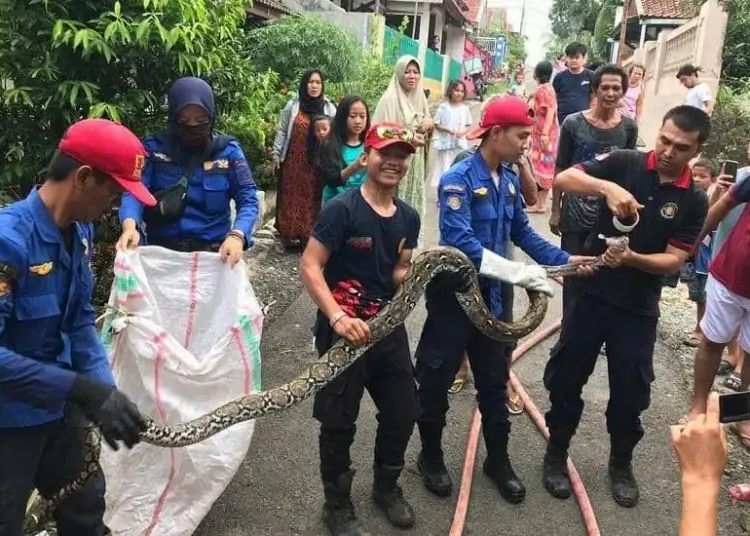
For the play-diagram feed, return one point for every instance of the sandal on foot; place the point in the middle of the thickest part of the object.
(458, 384)
(735, 430)
(693, 342)
(739, 492)
(725, 367)
(733, 382)
(515, 405)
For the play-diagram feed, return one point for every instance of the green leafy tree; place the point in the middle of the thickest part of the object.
(294, 44)
(571, 17)
(605, 23)
(61, 61)
(516, 42)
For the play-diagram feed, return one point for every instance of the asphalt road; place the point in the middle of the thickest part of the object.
(277, 490)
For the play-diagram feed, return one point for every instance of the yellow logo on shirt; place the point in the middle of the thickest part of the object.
(41, 269)
(481, 192)
(221, 164)
(668, 211)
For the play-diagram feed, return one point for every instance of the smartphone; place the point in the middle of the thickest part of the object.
(730, 168)
(734, 407)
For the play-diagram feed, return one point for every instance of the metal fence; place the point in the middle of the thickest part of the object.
(396, 44)
(433, 68)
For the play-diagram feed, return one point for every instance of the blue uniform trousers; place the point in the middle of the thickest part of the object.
(48, 457)
(446, 336)
(589, 323)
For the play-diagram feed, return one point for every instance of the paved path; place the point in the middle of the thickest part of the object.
(277, 491)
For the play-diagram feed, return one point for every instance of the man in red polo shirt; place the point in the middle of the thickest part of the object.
(727, 293)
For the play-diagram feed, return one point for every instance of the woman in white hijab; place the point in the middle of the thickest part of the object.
(404, 102)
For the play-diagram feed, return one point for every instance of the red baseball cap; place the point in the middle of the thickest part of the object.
(385, 134)
(504, 111)
(109, 148)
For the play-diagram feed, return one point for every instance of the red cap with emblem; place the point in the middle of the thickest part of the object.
(504, 111)
(385, 134)
(112, 149)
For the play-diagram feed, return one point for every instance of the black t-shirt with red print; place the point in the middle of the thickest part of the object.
(364, 247)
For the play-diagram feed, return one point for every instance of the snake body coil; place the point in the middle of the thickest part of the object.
(333, 363)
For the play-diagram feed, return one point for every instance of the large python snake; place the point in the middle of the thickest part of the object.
(427, 265)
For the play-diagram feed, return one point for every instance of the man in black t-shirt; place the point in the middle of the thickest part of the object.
(620, 307)
(358, 255)
(583, 137)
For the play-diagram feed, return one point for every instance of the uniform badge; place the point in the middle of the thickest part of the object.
(480, 192)
(41, 269)
(208, 166)
(223, 163)
(140, 161)
(511, 189)
(454, 202)
(668, 210)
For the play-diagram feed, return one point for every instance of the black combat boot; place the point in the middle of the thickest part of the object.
(338, 510)
(555, 472)
(497, 466)
(622, 481)
(389, 497)
(430, 462)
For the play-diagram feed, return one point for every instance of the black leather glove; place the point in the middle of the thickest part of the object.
(117, 418)
(460, 281)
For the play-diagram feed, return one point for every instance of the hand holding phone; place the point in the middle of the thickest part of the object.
(734, 407)
(729, 168)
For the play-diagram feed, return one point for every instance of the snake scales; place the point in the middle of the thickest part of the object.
(333, 363)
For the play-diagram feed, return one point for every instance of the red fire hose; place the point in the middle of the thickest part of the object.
(579, 491)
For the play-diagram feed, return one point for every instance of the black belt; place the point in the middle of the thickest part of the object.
(185, 244)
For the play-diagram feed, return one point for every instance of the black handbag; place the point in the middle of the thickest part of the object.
(171, 203)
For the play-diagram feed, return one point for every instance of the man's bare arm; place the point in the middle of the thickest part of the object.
(402, 266)
(665, 263)
(314, 259)
(716, 214)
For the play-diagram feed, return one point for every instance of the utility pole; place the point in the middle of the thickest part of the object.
(523, 17)
(623, 30)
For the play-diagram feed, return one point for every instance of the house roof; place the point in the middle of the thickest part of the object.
(668, 9)
(472, 14)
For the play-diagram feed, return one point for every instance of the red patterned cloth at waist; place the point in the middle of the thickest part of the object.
(350, 295)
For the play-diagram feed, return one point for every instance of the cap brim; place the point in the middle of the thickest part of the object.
(476, 133)
(392, 143)
(137, 190)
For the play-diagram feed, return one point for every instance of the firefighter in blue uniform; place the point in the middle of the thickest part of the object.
(194, 173)
(54, 371)
(480, 209)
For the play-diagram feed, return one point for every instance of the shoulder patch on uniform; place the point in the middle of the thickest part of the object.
(457, 188)
(481, 192)
(41, 269)
(454, 202)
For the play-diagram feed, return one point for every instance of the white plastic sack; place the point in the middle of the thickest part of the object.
(189, 342)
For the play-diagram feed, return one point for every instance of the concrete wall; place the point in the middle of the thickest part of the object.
(358, 24)
(698, 41)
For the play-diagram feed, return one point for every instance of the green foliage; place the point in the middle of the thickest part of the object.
(736, 53)
(294, 44)
(63, 61)
(605, 23)
(556, 44)
(570, 18)
(373, 74)
(730, 124)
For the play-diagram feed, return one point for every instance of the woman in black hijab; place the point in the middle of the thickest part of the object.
(300, 191)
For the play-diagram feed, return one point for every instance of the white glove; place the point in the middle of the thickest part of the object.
(530, 276)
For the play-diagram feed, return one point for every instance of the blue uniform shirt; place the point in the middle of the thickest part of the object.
(207, 217)
(476, 215)
(47, 331)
